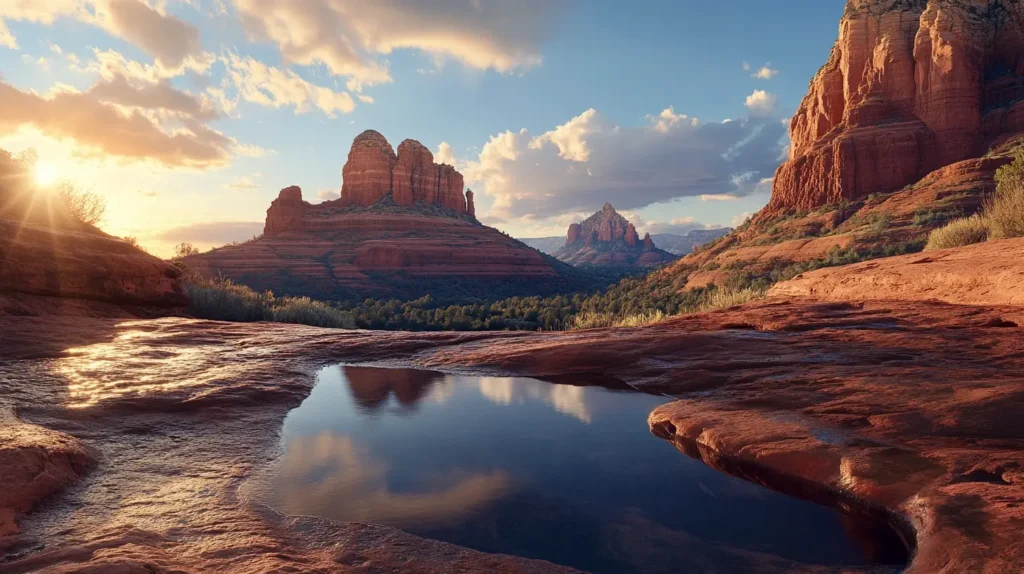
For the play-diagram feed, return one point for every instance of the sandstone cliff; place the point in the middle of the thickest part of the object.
(607, 239)
(910, 87)
(373, 171)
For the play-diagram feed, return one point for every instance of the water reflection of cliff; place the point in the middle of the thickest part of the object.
(372, 387)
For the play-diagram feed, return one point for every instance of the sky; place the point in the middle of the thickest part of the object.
(189, 116)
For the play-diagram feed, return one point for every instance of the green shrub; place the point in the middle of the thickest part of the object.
(305, 311)
(1005, 210)
(224, 300)
(958, 233)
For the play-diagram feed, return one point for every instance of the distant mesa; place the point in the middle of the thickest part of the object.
(607, 239)
(403, 227)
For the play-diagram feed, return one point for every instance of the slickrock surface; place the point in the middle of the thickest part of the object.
(911, 86)
(984, 274)
(607, 239)
(34, 463)
(909, 409)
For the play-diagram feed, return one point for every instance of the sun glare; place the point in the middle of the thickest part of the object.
(46, 174)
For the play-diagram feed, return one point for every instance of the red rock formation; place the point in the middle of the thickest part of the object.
(331, 250)
(413, 177)
(911, 86)
(449, 189)
(631, 236)
(326, 249)
(574, 234)
(373, 170)
(648, 242)
(607, 239)
(367, 173)
(285, 212)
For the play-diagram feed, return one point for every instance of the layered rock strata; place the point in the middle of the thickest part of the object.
(911, 86)
(374, 170)
(329, 250)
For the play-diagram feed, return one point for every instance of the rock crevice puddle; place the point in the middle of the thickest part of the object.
(565, 473)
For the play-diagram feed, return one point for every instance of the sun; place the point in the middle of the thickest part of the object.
(46, 173)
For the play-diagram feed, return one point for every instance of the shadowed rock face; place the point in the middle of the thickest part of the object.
(911, 86)
(608, 239)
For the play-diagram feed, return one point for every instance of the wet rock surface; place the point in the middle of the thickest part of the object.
(906, 407)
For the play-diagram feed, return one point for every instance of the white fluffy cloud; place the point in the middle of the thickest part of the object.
(171, 42)
(445, 154)
(761, 103)
(570, 137)
(110, 64)
(328, 194)
(259, 83)
(588, 161)
(349, 36)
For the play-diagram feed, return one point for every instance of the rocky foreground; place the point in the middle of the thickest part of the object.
(126, 441)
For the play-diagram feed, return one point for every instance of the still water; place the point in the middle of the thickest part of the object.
(570, 474)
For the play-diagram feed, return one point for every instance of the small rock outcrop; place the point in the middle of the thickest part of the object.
(607, 239)
(911, 86)
(285, 212)
(373, 170)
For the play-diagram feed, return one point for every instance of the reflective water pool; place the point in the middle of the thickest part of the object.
(570, 474)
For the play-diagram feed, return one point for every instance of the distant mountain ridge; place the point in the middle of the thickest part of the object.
(607, 239)
(673, 243)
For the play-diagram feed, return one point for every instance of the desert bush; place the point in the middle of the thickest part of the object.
(84, 206)
(726, 298)
(224, 300)
(134, 242)
(958, 233)
(306, 311)
(1004, 211)
(594, 320)
(183, 250)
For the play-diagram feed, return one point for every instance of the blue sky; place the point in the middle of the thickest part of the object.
(231, 100)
